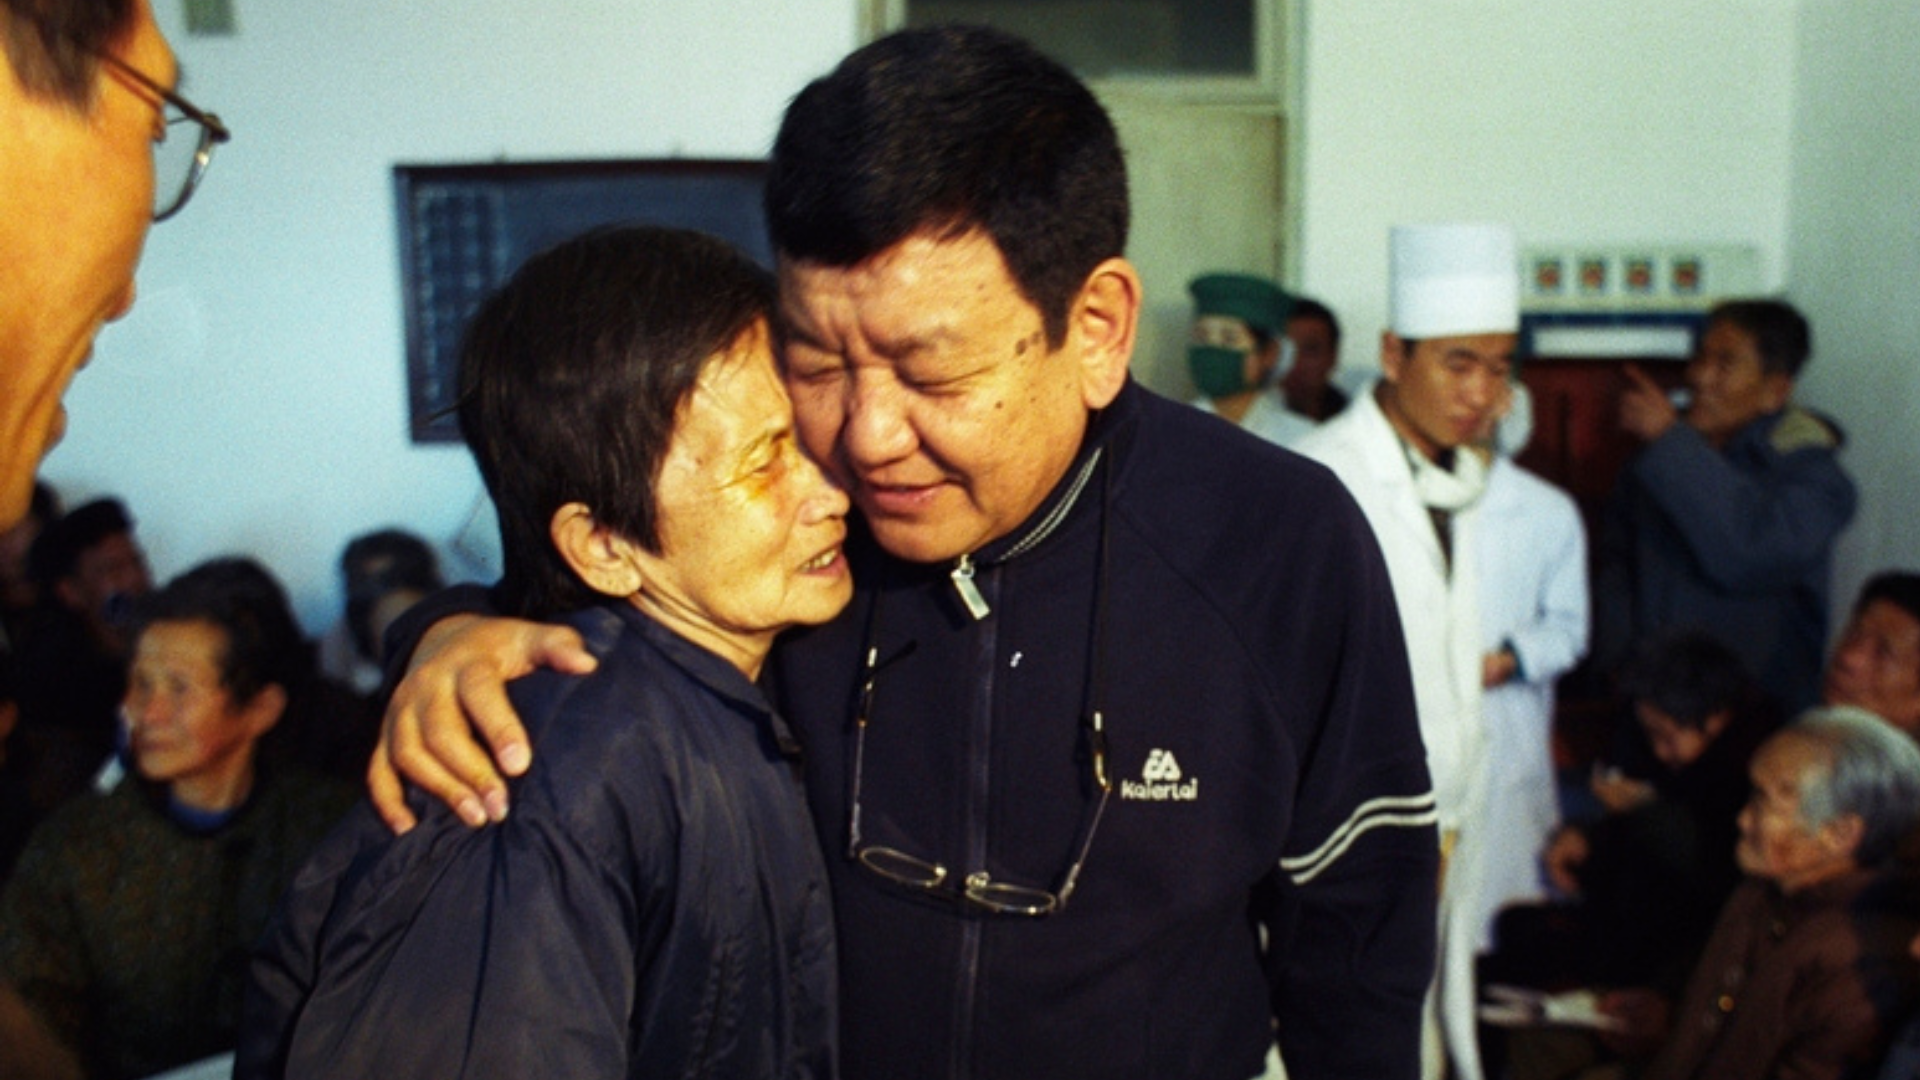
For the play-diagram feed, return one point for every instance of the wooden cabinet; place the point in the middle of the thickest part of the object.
(1577, 442)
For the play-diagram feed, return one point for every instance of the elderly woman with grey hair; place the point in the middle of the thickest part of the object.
(1808, 972)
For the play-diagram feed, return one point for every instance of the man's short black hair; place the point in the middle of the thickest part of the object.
(264, 646)
(571, 379)
(1308, 308)
(56, 551)
(54, 46)
(1901, 588)
(1780, 333)
(945, 130)
(1689, 675)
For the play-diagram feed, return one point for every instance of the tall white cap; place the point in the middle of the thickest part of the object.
(1450, 280)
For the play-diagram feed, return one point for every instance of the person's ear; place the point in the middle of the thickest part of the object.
(1842, 835)
(1393, 356)
(265, 709)
(1716, 722)
(1267, 358)
(605, 560)
(1105, 320)
(1776, 388)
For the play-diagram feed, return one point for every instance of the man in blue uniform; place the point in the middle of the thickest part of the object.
(1726, 520)
(1114, 755)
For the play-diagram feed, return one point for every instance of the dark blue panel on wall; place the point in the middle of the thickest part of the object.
(464, 229)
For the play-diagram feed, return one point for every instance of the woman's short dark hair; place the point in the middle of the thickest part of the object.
(54, 46)
(949, 129)
(571, 379)
(1780, 333)
(1688, 675)
(264, 646)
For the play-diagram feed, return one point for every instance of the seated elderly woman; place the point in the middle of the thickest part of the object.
(1807, 973)
(657, 904)
(125, 930)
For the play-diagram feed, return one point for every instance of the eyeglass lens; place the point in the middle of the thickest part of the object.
(178, 161)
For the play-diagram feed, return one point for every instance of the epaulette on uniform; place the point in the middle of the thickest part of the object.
(1799, 429)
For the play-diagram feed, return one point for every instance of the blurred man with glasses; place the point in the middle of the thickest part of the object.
(87, 118)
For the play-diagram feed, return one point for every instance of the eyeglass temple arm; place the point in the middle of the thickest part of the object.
(216, 130)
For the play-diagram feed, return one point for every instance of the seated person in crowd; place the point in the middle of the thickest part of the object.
(73, 659)
(1807, 973)
(657, 904)
(1308, 382)
(19, 593)
(125, 929)
(17, 816)
(1876, 664)
(383, 574)
(327, 729)
(1646, 879)
(1237, 350)
(335, 719)
(1726, 519)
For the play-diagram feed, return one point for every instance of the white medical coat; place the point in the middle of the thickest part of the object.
(1439, 616)
(1530, 552)
(1268, 417)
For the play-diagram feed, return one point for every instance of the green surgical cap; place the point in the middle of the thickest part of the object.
(1254, 300)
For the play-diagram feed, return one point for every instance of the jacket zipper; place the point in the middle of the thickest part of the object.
(973, 931)
(962, 575)
(978, 797)
(964, 567)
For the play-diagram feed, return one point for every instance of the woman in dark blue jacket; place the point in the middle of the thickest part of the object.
(656, 906)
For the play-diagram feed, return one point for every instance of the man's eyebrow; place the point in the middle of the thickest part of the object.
(892, 349)
(786, 330)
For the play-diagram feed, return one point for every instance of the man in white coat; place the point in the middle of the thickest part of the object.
(1531, 558)
(1403, 448)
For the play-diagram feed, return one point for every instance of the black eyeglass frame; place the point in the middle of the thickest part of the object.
(977, 888)
(212, 131)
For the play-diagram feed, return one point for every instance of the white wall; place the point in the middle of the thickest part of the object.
(1601, 121)
(1854, 248)
(255, 399)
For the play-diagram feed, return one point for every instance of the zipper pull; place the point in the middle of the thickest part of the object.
(962, 575)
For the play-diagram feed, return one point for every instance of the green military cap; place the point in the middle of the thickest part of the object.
(1254, 300)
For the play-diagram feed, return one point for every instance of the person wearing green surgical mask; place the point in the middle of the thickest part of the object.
(1237, 353)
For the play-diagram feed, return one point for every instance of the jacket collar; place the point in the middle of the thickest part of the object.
(1075, 491)
(1836, 891)
(602, 625)
(1382, 450)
